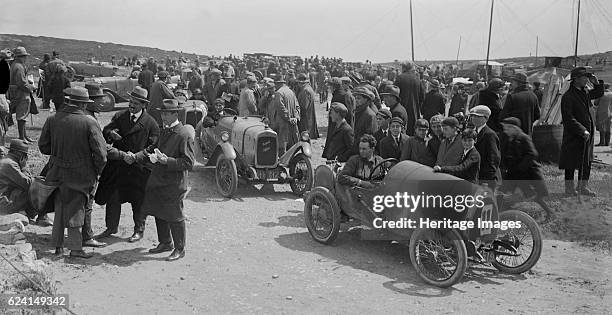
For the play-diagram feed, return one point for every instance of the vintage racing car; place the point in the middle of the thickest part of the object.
(247, 147)
(439, 253)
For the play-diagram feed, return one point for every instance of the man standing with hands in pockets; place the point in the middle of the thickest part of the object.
(172, 159)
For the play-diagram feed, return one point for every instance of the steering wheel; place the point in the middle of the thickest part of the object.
(230, 111)
(384, 168)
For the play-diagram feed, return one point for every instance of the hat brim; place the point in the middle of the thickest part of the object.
(137, 97)
(69, 99)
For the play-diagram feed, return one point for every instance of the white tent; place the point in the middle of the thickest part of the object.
(554, 82)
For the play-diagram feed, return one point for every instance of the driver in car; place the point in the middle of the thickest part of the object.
(211, 119)
(358, 169)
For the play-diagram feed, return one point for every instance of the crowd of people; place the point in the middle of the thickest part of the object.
(144, 154)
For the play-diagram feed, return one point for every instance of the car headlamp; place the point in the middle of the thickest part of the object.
(225, 136)
(305, 136)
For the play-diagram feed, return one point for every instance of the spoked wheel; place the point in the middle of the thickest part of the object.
(521, 248)
(439, 256)
(322, 215)
(300, 169)
(226, 175)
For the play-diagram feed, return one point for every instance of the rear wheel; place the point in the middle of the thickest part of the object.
(322, 215)
(302, 174)
(527, 240)
(226, 176)
(439, 256)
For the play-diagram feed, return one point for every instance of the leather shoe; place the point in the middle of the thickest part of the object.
(161, 248)
(106, 233)
(94, 243)
(80, 254)
(59, 251)
(43, 221)
(135, 237)
(176, 255)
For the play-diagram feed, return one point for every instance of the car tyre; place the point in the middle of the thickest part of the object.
(226, 175)
(533, 256)
(322, 199)
(300, 188)
(431, 259)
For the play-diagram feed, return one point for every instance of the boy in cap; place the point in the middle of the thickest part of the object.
(417, 147)
(470, 159)
(383, 118)
(435, 136)
(450, 152)
(487, 144)
(578, 130)
(339, 143)
(519, 161)
(391, 146)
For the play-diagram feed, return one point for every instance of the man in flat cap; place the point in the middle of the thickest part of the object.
(306, 98)
(391, 96)
(247, 105)
(434, 102)
(339, 143)
(14, 181)
(491, 98)
(487, 144)
(286, 115)
(416, 147)
(159, 92)
(365, 117)
(78, 153)
(214, 87)
(19, 91)
(519, 161)
(172, 158)
(521, 103)
(469, 164)
(451, 148)
(392, 145)
(383, 119)
(342, 94)
(578, 130)
(123, 181)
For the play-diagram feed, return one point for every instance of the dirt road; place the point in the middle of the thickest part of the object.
(253, 254)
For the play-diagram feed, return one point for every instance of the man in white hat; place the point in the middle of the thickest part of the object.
(487, 144)
(19, 92)
(77, 155)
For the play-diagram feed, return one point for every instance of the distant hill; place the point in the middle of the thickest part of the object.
(81, 50)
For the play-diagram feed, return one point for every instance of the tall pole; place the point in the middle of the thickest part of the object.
(577, 30)
(536, 61)
(458, 48)
(489, 42)
(411, 31)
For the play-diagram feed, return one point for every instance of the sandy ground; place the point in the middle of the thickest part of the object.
(253, 254)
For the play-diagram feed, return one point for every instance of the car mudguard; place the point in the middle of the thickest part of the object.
(300, 146)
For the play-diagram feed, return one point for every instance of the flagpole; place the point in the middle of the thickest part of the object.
(577, 30)
(411, 31)
(489, 42)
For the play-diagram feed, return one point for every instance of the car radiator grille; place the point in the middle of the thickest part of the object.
(266, 151)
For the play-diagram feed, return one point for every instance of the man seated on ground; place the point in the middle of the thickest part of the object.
(358, 169)
(212, 117)
(15, 183)
(470, 159)
(416, 148)
(339, 142)
(392, 145)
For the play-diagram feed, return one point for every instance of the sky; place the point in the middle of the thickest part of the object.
(355, 30)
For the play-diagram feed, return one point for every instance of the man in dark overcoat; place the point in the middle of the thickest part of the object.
(146, 78)
(306, 99)
(286, 115)
(489, 97)
(339, 143)
(159, 92)
(392, 145)
(578, 130)
(130, 131)
(487, 144)
(77, 151)
(434, 102)
(391, 96)
(522, 104)
(412, 95)
(172, 158)
(365, 117)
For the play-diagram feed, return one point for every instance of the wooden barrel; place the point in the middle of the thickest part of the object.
(547, 140)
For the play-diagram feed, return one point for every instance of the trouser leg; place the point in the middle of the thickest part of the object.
(21, 129)
(87, 231)
(138, 216)
(569, 181)
(57, 233)
(163, 231)
(178, 234)
(74, 241)
(113, 212)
